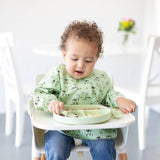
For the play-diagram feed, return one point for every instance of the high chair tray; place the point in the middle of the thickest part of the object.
(83, 114)
(44, 120)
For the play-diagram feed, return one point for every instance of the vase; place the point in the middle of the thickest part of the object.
(126, 43)
(125, 39)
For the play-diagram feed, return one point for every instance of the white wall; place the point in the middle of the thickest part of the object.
(36, 22)
(151, 18)
(157, 16)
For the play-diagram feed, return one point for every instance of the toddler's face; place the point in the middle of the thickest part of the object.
(80, 57)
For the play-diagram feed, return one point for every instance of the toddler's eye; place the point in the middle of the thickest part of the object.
(88, 61)
(74, 59)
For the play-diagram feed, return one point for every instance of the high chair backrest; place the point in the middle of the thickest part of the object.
(8, 68)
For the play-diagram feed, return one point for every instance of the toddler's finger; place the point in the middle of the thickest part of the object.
(56, 108)
(133, 106)
(130, 109)
(50, 108)
(124, 110)
(61, 106)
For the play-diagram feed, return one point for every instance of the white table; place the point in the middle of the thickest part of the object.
(47, 50)
(109, 49)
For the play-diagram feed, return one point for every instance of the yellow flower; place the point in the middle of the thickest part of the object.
(125, 24)
(131, 23)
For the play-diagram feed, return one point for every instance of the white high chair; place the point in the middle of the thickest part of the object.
(42, 121)
(148, 91)
(13, 89)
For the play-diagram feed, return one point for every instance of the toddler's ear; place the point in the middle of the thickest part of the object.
(64, 54)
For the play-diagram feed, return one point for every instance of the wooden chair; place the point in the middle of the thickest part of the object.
(13, 88)
(42, 121)
(148, 91)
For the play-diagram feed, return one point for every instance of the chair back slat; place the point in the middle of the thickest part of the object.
(6, 39)
(8, 68)
(155, 76)
(148, 78)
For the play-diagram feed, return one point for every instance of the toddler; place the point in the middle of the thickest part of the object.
(77, 83)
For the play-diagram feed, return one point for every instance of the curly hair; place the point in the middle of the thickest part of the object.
(83, 30)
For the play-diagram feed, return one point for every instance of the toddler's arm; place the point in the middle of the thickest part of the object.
(47, 90)
(126, 105)
(56, 106)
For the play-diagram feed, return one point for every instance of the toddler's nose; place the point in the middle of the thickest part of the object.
(80, 64)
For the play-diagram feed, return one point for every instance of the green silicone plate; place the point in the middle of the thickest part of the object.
(82, 114)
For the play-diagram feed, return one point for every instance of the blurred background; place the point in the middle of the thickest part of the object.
(38, 25)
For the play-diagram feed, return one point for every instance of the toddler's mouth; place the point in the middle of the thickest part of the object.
(79, 72)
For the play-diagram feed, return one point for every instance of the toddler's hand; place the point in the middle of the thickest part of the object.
(126, 105)
(56, 106)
